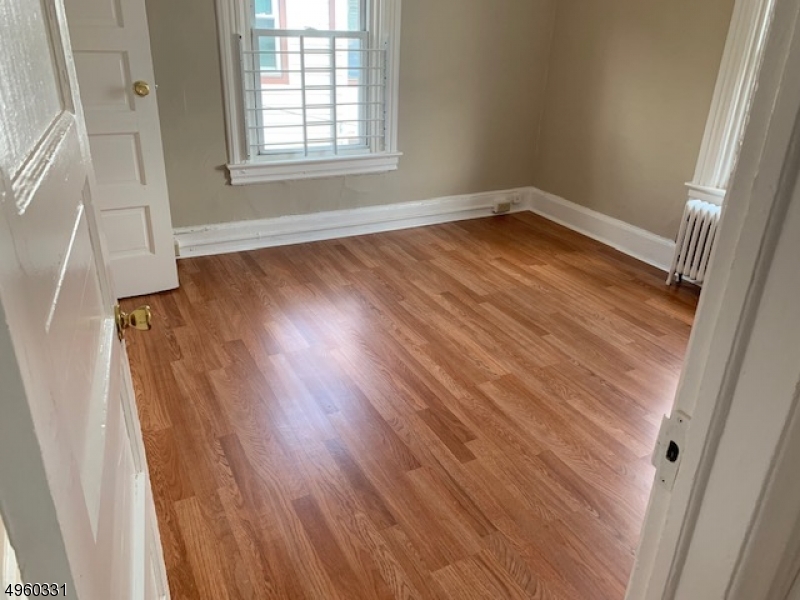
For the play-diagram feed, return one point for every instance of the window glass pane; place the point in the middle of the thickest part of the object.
(265, 15)
(263, 7)
(269, 56)
(355, 15)
(314, 95)
(340, 15)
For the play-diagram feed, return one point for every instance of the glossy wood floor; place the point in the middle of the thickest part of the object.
(458, 411)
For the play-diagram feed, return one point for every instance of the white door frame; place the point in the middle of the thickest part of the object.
(752, 220)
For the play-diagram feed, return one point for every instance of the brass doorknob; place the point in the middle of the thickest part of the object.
(141, 88)
(140, 318)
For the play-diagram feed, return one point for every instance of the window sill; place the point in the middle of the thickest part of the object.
(708, 194)
(265, 172)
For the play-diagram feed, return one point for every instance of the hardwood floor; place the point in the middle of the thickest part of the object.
(458, 411)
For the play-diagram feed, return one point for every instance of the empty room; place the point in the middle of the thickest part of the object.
(393, 299)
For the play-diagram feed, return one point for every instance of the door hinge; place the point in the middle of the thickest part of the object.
(669, 448)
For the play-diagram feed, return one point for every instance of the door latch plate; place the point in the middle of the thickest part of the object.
(669, 448)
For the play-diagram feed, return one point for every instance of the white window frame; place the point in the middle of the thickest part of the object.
(233, 22)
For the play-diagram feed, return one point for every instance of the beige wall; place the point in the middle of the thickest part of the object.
(472, 82)
(629, 91)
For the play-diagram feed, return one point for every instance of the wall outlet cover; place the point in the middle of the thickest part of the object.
(501, 206)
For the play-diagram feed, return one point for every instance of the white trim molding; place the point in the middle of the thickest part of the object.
(295, 229)
(741, 63)
(262, 172)
(629, 239)
(707, 194)
(230, 24)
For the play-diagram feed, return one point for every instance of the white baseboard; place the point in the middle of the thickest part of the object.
(282, 231)
(633, 241)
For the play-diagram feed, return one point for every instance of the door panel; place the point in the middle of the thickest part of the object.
(111, 44)
(118, 159)
(98, 13)
(107, 91)
(28, 82)
(127, 509)
(114, 529)
(65, 302)
(70, 495)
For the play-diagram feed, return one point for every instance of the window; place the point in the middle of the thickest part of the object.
(310, 87)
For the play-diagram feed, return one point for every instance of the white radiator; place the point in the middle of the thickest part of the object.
(695, 241)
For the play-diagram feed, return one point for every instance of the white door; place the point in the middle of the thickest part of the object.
(74, 491)
(111, 44)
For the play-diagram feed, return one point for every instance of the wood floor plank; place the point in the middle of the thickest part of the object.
(476, 578)
(379, 574)
(539, 580)
(463, 410)
(261, 547)
(450, 435)
(204, 553)
(370, 499)
(327, 548)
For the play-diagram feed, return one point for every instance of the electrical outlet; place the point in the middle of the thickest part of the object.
(516, 198)
(501, 207)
